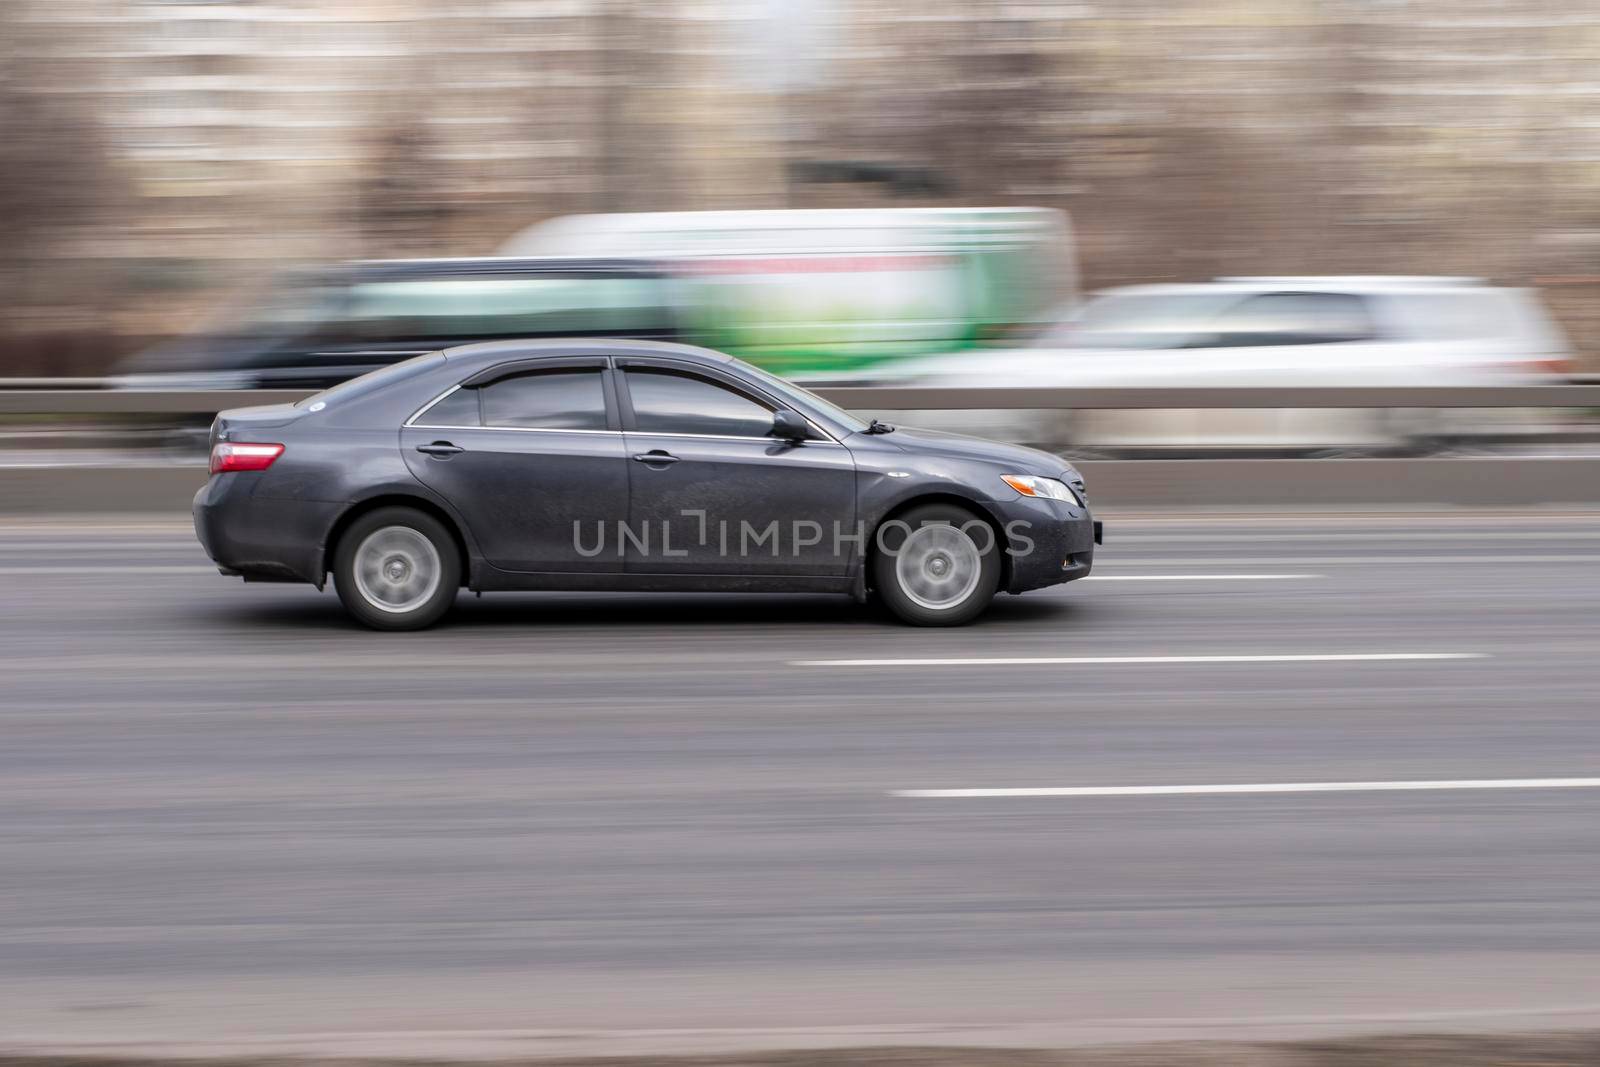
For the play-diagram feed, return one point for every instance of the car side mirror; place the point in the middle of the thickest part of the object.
(789, 425)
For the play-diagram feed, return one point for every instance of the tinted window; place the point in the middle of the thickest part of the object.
(459, 408)
(1141, 320)
(1464, 315)
(1292, 319)
(668, 402)
(1217, 319)
(466, 308)
(549, 400)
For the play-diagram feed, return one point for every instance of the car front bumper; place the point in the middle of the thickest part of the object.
(1047, 541)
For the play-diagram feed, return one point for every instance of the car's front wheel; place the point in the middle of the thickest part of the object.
(397, 569)
(936, 565)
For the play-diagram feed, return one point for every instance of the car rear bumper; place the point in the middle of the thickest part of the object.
(264, 539)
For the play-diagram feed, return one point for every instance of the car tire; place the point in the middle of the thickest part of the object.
(936, 565)
(397, 568)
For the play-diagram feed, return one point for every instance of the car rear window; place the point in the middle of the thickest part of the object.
(1145, 320)
(1291, 319)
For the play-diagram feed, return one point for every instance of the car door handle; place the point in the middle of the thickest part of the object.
(655, 456)
(440, 448)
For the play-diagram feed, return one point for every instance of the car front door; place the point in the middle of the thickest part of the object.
(711, 492)
(531, 457)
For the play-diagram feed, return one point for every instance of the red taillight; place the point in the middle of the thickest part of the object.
(234, 456)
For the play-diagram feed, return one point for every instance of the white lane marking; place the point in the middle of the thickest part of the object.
(1197, 577)
(152, 569)
(1264, 787)
(1030, 661)
(96, 546)
(1483, 559)
(1349, 535)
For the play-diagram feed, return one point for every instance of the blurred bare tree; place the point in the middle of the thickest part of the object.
(401, 193)
(61, 197)
(56, 181)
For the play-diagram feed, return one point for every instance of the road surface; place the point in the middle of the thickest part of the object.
(618, 823)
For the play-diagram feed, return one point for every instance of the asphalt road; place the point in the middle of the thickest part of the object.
(614, 823)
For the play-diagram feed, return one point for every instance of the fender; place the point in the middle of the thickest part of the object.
(398, 490)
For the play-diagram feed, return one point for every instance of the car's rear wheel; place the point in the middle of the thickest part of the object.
(936, 565)
(397, 569)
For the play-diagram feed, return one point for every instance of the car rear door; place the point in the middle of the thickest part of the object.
(710, 492)
(531, 456)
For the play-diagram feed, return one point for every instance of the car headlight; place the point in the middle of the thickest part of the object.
(1033, 485)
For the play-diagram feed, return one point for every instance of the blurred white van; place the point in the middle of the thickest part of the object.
(815, 292)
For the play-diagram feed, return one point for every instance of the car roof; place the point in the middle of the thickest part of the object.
(499, 265)
(1320, 283)
(1372, 281)
(489, 353)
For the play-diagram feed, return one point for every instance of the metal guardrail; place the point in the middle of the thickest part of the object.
(1471, 396)
(100, 401)
(138, 401)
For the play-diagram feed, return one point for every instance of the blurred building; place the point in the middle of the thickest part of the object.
(161, 138)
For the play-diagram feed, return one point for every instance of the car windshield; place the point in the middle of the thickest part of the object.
(379, 378)
(788, 388)
(1145, 320)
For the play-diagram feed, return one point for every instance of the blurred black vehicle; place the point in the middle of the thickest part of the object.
(312, 329)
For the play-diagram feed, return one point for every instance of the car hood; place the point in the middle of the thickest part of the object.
(960, 446)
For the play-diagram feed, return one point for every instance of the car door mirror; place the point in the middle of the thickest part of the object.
(789, 425)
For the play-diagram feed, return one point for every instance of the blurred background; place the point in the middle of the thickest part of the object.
(162, 155)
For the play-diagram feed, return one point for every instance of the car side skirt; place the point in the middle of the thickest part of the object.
(492, 579)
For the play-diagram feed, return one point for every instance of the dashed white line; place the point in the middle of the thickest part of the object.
(1251, 787)
(195, 568)
(1479, 536)
(1357, 559)
(1031, 661)
(1198, 577)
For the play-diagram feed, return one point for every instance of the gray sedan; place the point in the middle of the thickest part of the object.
(624, 465)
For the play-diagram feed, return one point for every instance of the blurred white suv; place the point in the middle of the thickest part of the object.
(1262, 332)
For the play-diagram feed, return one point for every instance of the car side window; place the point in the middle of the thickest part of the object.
(570, 399)
(1291, 319)
(459, 408)
(667, 401)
